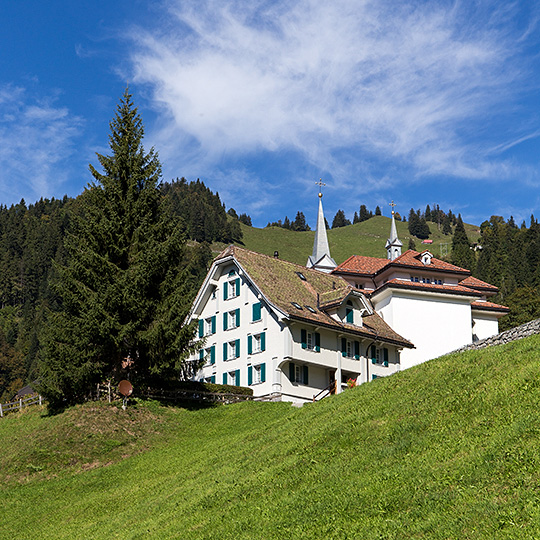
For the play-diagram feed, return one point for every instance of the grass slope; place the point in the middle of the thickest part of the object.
(446, 450)
(366, 238)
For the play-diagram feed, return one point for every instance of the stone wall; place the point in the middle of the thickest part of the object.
(519, 332)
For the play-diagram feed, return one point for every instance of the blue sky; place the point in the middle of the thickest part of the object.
(421, 102)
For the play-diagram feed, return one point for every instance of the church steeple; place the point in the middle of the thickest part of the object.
(320, 259)
(393, 244)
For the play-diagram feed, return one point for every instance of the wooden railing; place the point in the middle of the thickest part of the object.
(34, 399)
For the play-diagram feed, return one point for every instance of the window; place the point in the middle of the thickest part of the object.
(232, 378)
(310, 340)
(231, 350)
(207, 326)
(301, 276)
(256, 312)
(379, 356)
(256, 374)
(208, 355)
(298, 374)
(350, 349)
(231, 288)
(231, 319)
(257, 343)
(296, 305)
(309, 308)
(349, 313)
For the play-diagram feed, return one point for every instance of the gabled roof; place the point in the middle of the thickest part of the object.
(282, 287)
(410, 285)
(489, 306)
(412, 259)
(372, 266)
(478, 284)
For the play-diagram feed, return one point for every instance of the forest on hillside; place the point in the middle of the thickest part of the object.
(33, 236)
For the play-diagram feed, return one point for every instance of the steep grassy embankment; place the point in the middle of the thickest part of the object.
(366, 238)
(446, 450)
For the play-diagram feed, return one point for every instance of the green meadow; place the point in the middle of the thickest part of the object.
(367, 238)
(449, 449)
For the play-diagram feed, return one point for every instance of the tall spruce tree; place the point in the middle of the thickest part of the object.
(461, 247)
(126, 287)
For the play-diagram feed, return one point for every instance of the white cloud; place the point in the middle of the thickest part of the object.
(36, 140)
(343, 84)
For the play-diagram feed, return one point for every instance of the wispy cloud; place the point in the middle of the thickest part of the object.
(346, 85)
(36, 140)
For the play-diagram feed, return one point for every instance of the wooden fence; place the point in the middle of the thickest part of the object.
(34, 399)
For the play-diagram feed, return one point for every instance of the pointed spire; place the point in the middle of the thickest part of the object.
(393, 244)
(320, 259)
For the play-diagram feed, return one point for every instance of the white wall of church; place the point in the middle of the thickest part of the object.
(435, 327)
(484, 325)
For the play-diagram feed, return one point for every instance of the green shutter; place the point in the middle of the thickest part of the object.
(306, 378)
(257, 311)
(213, 379)
(291, 372)
(213, 324)
(225, 321)
(224, 351)
(373, 377)
(231, 273)
(317, 342)
(201, 328)
(373, 354)
(213, 354)
(225, 291)
(237, 377)
(237, 348)
(385, 356)
(237, 286)
(343, 347)
(263, 341)
(250, 345)
(357, 350)
(250, 375)
(225, 378)
(263, 372)
(201, 354)
(303, 334)
(349, 315)
(238, 317)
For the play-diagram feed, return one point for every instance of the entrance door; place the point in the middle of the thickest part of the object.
(332, 381)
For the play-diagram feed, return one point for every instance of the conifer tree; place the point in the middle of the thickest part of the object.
(461, 247)
(126, 287)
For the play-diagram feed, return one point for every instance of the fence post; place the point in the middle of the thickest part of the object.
(109, 389)
(1, 411)
(40, 399)
(20, 404)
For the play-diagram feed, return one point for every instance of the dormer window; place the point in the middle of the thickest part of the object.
(426, 257)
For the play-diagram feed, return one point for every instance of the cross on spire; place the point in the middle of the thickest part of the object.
(320, 183)
(392, 204)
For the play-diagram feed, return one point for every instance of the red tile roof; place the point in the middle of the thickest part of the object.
(358, 264)
(371, 266)
(489, 306)
(411, 258)
(405, 284)
(478, 284)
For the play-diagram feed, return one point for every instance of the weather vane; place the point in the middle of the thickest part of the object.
(320, 183)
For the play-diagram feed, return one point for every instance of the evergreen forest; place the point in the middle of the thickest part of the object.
(131, 251)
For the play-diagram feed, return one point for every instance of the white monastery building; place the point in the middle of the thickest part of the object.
(298, 332)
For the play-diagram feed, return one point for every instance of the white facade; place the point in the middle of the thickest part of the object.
(248, 340)
(435, 323)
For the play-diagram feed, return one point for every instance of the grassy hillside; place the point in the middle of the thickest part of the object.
(366, 238)
(446, 450)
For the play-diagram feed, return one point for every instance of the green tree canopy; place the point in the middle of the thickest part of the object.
(129, 279)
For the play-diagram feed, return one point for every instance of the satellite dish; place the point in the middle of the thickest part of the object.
(125, 388)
